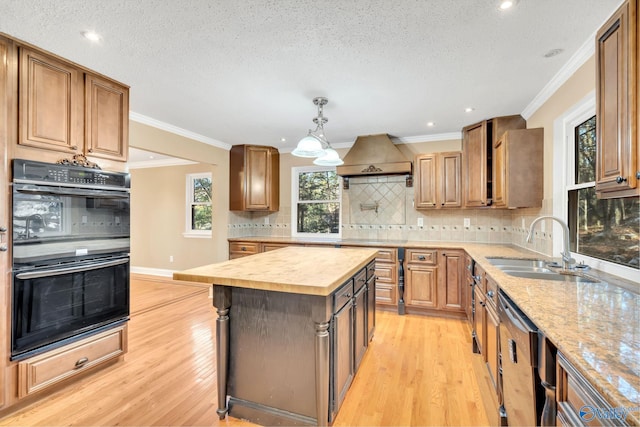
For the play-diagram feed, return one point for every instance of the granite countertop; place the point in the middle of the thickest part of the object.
(595, 325)
(310, 271)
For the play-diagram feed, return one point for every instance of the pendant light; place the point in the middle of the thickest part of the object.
(315, 144)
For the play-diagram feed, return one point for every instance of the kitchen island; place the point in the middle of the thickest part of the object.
(292, 326)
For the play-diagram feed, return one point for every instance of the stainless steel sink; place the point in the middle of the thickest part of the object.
(550, 275)
(535, 269)
(517, 262)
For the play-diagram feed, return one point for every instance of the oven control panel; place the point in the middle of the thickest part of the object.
(66, 174)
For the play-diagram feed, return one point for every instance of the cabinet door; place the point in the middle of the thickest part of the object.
(258, 175)
(342, 354)
(371, 308)
(107, 119)
(479, 321)
(361, 336)
(51, 103)
(450, 191)
(499, 172)
(426, 178)
(452, 278)
(421, 286)
(492, 345)
(615, 104)
(474, 148)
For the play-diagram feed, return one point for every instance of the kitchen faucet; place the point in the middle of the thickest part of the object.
(567, 261)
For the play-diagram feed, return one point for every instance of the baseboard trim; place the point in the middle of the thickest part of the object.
(152, 271)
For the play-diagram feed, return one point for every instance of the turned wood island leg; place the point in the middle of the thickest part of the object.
(322, 372)
(222, 303)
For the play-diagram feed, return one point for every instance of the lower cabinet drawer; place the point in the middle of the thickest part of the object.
(40, 372)
(385, 294)
(237, 249)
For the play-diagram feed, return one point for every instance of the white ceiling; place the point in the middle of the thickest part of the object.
(246, 71)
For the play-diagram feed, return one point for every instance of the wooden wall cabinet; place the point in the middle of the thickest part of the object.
(518, 165)
(477, 157)
(254, 178)
(438, 182)
(64, 108)
(617, 127)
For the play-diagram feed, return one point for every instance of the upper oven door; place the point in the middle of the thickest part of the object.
(53, 222)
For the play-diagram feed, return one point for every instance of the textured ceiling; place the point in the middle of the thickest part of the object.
(246, 71)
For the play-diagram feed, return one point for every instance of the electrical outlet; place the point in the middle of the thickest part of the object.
(466, 222)
(84, 219)
(266, 220)
(170, 258)
(420, 222)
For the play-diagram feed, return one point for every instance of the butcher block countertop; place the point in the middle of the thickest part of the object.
(595, 325)
(300, 270)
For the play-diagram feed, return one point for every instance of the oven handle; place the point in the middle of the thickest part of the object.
(69, 191)
(57, 272)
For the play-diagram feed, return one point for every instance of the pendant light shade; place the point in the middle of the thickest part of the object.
(315, 144)
(330, 158)
(309, 146)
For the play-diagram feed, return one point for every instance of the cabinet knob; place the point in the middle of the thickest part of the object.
(421, 257)
(620, 180)
(73, 147)
(3, 229)
(243, 248)
(490, 294)
(3, 248)
(90, 150)
(81, 362)
(638, 175)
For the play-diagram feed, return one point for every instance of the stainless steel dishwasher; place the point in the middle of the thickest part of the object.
(522, 390)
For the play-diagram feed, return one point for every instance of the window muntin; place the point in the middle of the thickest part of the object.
(199, 208)
(316, 202)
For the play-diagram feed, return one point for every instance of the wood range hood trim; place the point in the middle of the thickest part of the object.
(374, 155)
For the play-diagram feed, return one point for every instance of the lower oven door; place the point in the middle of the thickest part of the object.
(55, 306)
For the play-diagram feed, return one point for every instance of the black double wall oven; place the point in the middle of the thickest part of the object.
(70, 254)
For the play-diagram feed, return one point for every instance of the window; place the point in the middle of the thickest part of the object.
(198, 213)
(604, 229)
(316, 202)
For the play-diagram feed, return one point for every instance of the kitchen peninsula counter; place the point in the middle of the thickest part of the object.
(596, 326)
(282, 345)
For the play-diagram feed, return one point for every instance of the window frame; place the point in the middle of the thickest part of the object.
(295, 171)
(564, 181)
(189, 232)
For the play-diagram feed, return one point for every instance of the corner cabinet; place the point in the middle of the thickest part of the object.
(64, 108)
(518, 165)
(477, 157)
(254, 178)
(438, 180)
(617, 127)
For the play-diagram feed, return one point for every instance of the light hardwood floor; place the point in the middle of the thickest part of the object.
(417, 371)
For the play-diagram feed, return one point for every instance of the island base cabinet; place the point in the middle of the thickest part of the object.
(287, 358)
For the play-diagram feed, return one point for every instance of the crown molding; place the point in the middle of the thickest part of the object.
(136, 117)
(585, 52)
(145, 164)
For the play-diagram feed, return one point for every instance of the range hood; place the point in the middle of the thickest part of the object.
(374, 155)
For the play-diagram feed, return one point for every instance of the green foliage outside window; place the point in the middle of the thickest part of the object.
(607, 229)
(201, 213)
(318, 202)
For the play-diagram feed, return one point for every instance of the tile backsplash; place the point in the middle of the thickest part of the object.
(381, 208)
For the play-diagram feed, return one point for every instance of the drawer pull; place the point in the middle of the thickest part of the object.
(81, 362)
(421, 257)
(243, 248)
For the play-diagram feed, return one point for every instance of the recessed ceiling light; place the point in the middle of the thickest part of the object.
(283, 140)
(506, 4)
(468, 109)
(430, 124)
(91, 35)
